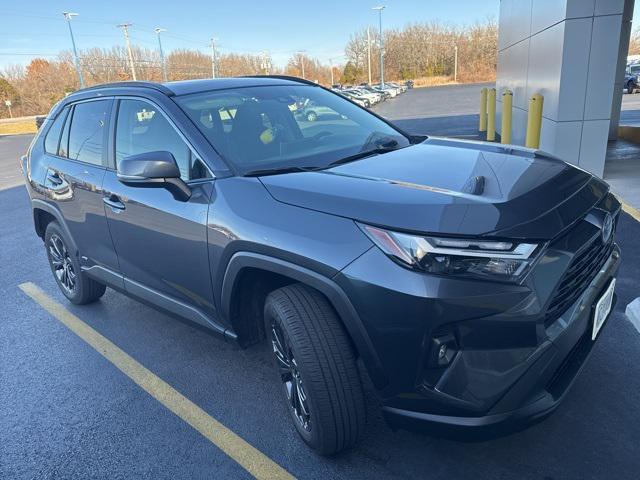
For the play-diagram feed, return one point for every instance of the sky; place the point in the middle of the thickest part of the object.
(32, 28)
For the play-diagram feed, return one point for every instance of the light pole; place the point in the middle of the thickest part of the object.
(369, 53)
(164, 65)
(213, 57)
(331, 67)
(455, 63)
(68, 16)
(301, 58)
(125, 29)
(380, 9)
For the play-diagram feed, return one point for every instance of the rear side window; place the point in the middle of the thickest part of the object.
(87, 132)
(52, 140)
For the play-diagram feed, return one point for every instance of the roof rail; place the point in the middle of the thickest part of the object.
(153, 85)
(284, 77)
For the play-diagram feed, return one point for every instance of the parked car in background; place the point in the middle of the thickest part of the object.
(631, 82)
(391, 91)
(373, 97)
(470, 280)
(311, 110)
(402, 88)
(360, 100)
(632, 77)
(372, 89)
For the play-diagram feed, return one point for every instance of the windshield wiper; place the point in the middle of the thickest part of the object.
(384, 148)
(278, 170)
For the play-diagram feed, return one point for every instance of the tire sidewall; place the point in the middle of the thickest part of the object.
(54, 229)
(313, 436)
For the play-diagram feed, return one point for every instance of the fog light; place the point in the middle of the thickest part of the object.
(443, 349)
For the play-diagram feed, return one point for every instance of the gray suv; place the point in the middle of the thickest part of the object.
(466, 281)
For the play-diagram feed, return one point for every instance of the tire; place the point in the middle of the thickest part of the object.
(72, 281)
(312, 116)
(302, 325)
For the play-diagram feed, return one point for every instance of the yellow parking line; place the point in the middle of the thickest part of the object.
(634, 212)
(249, 458)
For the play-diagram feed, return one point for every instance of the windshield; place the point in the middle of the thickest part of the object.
(285, 127)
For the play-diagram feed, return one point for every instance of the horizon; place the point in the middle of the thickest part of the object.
(41, 32)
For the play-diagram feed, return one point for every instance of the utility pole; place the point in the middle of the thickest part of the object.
(266, 63)
(301, 59)
(455, 63)
(369, 52)
(213, 57)
(125, 29)
(380, 9)
(68, 16)
(331, 67)
(164, 65)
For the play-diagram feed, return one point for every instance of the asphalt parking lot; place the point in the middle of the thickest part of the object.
(68, 412)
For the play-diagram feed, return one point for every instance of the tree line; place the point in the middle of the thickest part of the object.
(421, 52)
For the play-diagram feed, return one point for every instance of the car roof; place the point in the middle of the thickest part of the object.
(186, 87)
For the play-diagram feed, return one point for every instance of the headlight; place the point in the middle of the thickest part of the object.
(497, 260)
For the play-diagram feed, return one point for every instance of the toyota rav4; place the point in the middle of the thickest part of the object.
(467, 281)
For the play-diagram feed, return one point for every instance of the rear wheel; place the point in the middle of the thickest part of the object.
(312, 116)
(72, 281)
(317, 368)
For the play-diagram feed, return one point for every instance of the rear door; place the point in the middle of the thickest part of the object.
(161, 241)
(74, 180)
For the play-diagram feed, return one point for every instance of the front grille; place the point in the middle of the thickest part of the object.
(576, 279)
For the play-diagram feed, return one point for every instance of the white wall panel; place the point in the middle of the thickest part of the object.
(512, 72)
(561, 139)
(545, 13)
(515, 22)
(580, 8)
(545, 68)
(575, 67)
(609, 7)
(593, 148)
(602, 66)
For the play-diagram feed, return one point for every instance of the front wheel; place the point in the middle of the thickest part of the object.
(312, 116)
(317, 368)
(72, 281)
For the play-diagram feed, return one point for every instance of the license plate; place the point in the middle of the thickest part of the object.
(603, 307)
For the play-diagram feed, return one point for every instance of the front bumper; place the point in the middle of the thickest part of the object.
(511, 368)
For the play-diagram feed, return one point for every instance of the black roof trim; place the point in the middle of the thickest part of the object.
(140, 84)
(285, 77)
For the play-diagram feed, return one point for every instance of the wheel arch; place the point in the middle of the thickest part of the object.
(43, 214)
(243, 262)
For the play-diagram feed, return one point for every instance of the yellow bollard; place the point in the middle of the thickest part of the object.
(483, 110)
(534, 121)
(507, 113)
(491, 115)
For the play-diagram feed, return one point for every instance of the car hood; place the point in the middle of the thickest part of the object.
(450, 187)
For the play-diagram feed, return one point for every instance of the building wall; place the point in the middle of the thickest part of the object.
(568, 51)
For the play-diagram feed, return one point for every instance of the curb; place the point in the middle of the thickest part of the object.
(634, 212)
(633, 313)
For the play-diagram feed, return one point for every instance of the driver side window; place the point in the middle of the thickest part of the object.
(142, 128)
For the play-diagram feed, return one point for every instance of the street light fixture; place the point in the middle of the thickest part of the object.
(68, 16)
(380, 9)
(164, 65)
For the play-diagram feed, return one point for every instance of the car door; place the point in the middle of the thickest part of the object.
(73, 182)
(161, 241)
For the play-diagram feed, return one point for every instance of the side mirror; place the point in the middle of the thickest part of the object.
(153, 169)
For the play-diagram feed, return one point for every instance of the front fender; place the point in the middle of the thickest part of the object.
(336, 296)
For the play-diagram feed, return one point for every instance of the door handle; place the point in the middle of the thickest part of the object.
(114, 202)
(54, 178)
